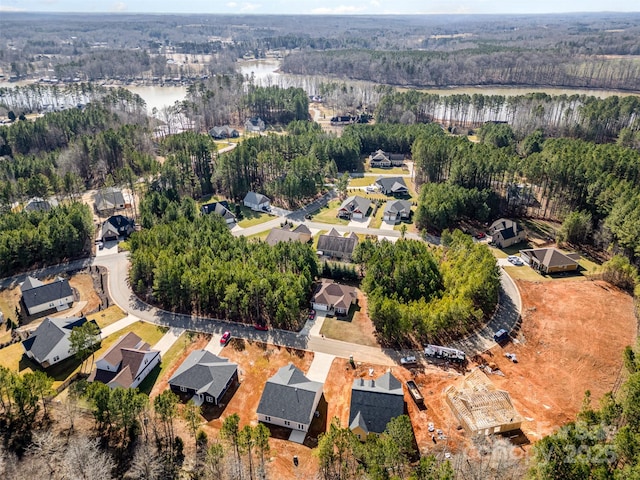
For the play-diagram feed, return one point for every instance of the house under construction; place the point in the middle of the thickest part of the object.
(481, 408)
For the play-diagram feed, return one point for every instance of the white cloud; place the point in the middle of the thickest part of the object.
(339, 10)
(250, 7)
(375, 3)
(7, 8)
(119, 7)
(232, 4)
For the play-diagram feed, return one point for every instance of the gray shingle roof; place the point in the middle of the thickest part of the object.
(395, 207)
(204, 372)
(356, 203)
(392, 184)
(376, 402)
(47, 293)
(331, 293)
(336, 244)
(256, 198)
(550, 257)
(289, 395)
(277, 235)
(109, 198)
(220, 208)
(37, 204)
(49, 334)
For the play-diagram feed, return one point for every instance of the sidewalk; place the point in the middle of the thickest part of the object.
(119, 325)
(169, 338)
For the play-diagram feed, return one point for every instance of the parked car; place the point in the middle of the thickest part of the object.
(515, 260)
(480, 235)
(261, 326)
(312, 314)
(408, 360)
(501, 336)
(226, 336)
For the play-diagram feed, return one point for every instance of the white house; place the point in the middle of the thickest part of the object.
(289, 399)
(354, 207)
(395, 210)
(256, 201)
(39, 297)
(505, 232)
(50, 342)
(126, 364)
(333, 298)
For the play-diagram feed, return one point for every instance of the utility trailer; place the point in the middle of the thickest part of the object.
(414, 391)
(445, 353)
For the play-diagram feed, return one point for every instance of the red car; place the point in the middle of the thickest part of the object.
(480, 235)
(261, 326)
(226, 336)
(312, 314)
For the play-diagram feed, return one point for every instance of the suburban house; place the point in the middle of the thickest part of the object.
(374, 403)
(550, 260)
(109, 199)
(505, 232)
(50, 342)
(37, 204)
(254, 125)
(126, 363)
(289, 399)
(225, 131)
(39, 297)
(396, 210)
(256, 201)
(480, 407)
(220, 208)
(392, 186)
(381, 159)
(115, 227)
(300, 234)
(335, 245)
(204, 377)
(354, 207)
(333, 298)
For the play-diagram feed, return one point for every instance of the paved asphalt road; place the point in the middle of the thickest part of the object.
(507, 315)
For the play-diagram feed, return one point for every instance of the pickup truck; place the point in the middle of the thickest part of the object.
(408, 360)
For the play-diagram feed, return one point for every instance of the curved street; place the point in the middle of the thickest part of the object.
(507, 314)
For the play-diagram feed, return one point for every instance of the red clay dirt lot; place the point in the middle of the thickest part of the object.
(572, 338)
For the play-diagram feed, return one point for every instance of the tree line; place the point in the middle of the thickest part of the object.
(421, 293)
(39, 238)
(195, 265)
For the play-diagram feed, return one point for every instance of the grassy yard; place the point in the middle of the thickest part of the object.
(9, 300)
(349, 331)
(250, 217)
(327, 214)
(498, 253)
(259, 236)
(376, 220)
(108, 316)
(317, 237)
(12, 356)
(361, 181)
(388, 171)
(168, 359)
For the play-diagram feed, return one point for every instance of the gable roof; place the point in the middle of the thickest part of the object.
(380, 155)
(46, 293)
(256, 198)
(118, 225)
(551, 257)
(221, 208)
(375, 402)
(397, 206)
(222, 131)
(205, 373)
(289, 395)
(277, 235)
(127, 355)
(44, 339)
(38, 204)
(109, 198)
(332, 293)
(302, 229)
(334, 242)
(392, 184)
(356, 203)
(29, 283)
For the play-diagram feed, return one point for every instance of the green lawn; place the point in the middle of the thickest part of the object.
(361, 181)
(349, 331)
(108, 316)
(498, 253)
(376, 220)
(250, 217)
(168, 359)
(388, 171)
(327, 214)
(148, 332)
(259, 236)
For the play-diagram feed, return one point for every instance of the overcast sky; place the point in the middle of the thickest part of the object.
(344, 7)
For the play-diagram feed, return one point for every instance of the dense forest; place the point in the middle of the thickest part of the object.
(39, 238)
(191, 263)
(428, 294)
